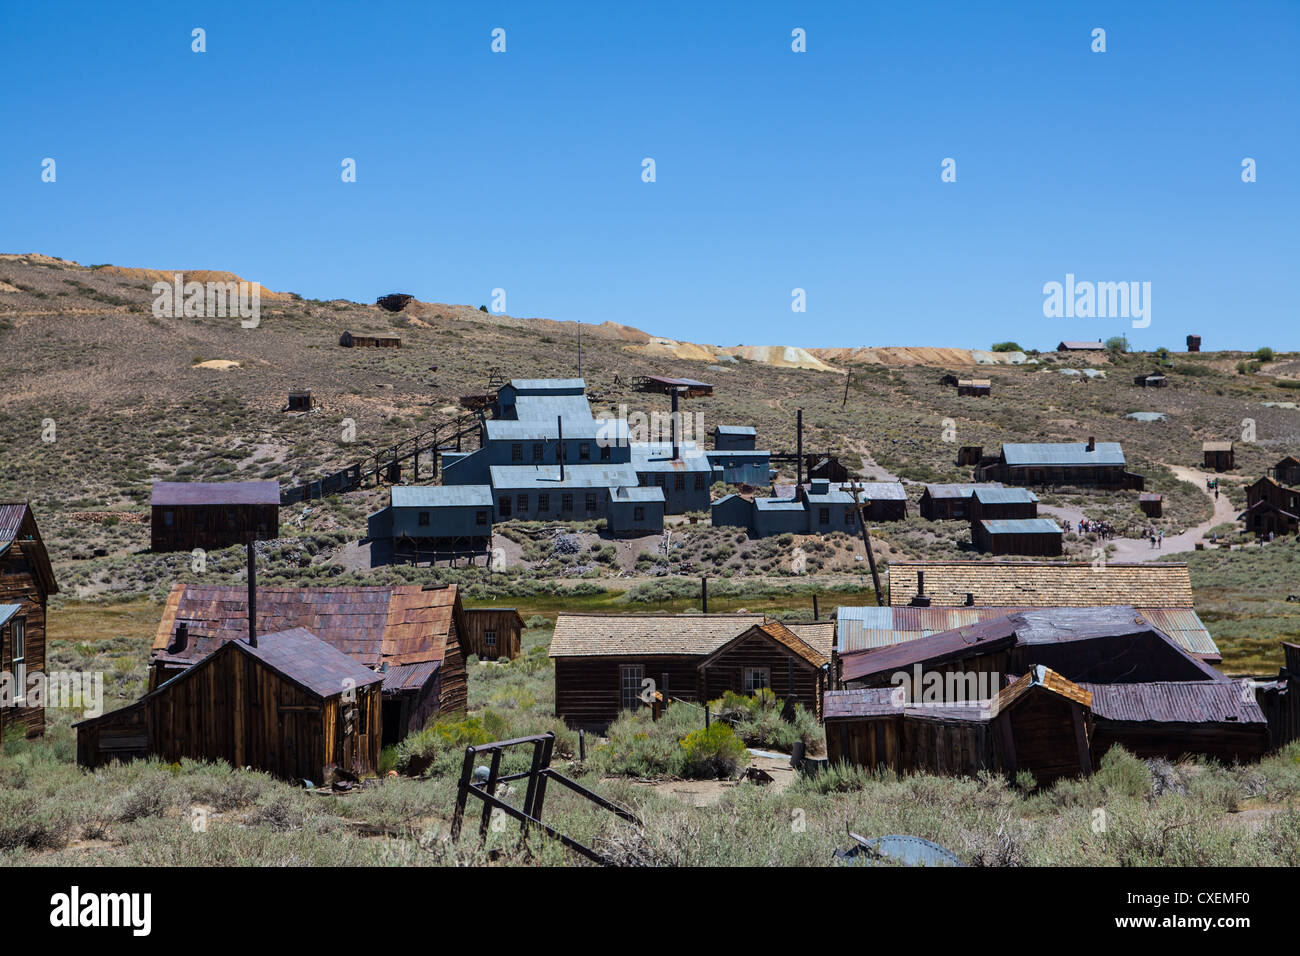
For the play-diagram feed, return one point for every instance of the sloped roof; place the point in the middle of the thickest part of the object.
(1216, 446)
(1045, 677)
(864, 628)
(819, 635)
(1021, 526)
(1115, 644)
(1063, 453)
(1042, 583)
(652, 493)
(1003, 496)
(401, 677)
(1176, 702)
(959, 490)
(405, 624)
(18, 523)
(547, 477)
(302, 657)
(442, 496)
(778, 632)
(7, 611)
(736, 430)
(646, 635)
(177, 493)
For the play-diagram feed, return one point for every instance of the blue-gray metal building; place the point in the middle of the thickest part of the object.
(634, 511)
(735, 438)
(436, 517)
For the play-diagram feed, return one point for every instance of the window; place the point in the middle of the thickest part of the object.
(848, 516)
(18, 628)
(490, 639)
(757, 678)
(523, 504)
(584, 451)
(604, 453)
(538, 451)
(659, 480)
(566, 503)
(679, 482)
(516, 452)
(480, 517)
(169, 518)
(504, 506)
(700, 483)
(638, 513)
(591, 501)
(823, 515)
(423, 520)
(543, 502)
(630, 677)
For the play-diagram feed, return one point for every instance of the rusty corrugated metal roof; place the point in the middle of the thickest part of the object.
(402, 677)
(1190, 702)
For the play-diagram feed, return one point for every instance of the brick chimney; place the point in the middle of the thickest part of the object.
(1092, 443)
(920, 599)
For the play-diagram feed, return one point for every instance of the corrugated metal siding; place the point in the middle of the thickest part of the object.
(1177, 702)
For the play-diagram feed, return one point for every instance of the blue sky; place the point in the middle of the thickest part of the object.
(775, 170)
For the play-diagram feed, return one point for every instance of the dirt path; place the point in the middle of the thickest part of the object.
(704, 793)
(1139, 549)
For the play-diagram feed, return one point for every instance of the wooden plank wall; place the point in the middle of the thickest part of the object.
(223, 526)
(791, 676)
(505, 622)
(454, 684)
(588, 693)
(18, 585)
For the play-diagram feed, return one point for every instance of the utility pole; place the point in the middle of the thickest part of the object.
(579, 350)
(866, 540)
(848, 378)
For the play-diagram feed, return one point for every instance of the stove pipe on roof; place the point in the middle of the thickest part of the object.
(920, 599)
(252, 595)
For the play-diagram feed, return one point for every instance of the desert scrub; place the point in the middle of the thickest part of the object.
(713, 752)
(676, 745)
(756, 719)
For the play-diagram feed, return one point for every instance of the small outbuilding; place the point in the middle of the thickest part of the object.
(349, 341)
(212, 514)
(300, 400)
(634, 510)
(435, 519)
(1218, 455)
(1002, 503)
(1068, 346)
(286, 703)
(735, 438)
(975, 386)
(1150, 380)
(493, 632)
(1030, 536)
(1152, 504)
(1287, 471)
(1193, 343)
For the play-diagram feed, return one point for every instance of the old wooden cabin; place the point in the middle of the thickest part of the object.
(26, 583)
(212, 514)
(492, 632)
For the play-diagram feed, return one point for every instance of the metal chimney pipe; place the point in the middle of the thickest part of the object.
(799, 445)
(704, 593)
(559, 425)
(673, 423)
(252, 594)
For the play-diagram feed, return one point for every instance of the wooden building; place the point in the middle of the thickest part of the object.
(1287, 471)
(290, 705)
(1193, 343)
(735, 438)
(1280, 699)
(975, 386)
(1090, 464)
(948, 502)
(969, 455)
(1039, 724)
(493, 632)
(604, 661)
(1152, 504)
(349, 341)
(1068, 346)
(1170, 719)
(300, 400)
(1150, 380)
(1030, 536)
(1002, 504)
(26, 583)
(660, 385)
(1271, 508)
(1218, 455)
(212, 514)
(410, 634)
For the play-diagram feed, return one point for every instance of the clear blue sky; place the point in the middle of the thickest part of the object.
(775, 170)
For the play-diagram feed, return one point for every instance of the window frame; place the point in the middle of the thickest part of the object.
(751, 686)
(630, 677)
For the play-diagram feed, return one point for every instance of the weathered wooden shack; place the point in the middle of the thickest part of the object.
(1271, 508)
(1170, 719)
(735, 438)
(947, 502)
(661, 385)
(634, 511)
(1287, 471)
(411, 634)
(979, 387)
(1090, 464)
(1279, 699)
(958, 591)
(349, 341)
(26, 583)
(1218, 455)
(1152, 504)
(1150, 380)
(969, 455)
(1039, 724)
(604, 661)
(1193, 343)
(1069, 346)
(1041, 537)
(300, 400)
(212, 514)
(493, 632)
(996, 503)
(289, 704)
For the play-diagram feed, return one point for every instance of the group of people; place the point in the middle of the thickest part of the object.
(1156, 536)
(1103, 529)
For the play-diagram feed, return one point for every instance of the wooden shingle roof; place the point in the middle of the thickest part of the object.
(406, 624)
(646, 635)
(1042, 584)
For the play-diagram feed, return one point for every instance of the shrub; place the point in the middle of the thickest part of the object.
(1006, 347)
(713, 752)
(1265, 354)
(1117, 345)
(418, 751)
